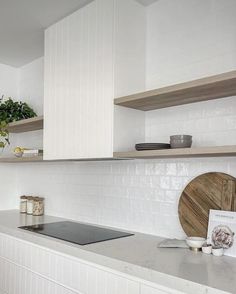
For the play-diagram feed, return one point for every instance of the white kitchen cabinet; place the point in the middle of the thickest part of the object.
(162, 290)
(17, 280)
(26, 266)
(79, 84)
(109, 283)
(92, 56)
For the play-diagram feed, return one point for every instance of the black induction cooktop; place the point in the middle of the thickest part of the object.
(77, 233)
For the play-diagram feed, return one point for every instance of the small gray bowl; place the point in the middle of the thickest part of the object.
(181, 141)
(181, 137)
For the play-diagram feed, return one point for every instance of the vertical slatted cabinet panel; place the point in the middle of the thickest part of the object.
(101, 282)
(78, 98)
(25, 265)
(17, 280)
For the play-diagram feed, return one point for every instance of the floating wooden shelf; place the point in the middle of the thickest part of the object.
(218, 151)
(40, 159)
(26, 125)
(178, 153)
(20, 159)
(209, 88)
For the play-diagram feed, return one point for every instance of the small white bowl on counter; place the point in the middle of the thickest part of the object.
(195, 243)
(207, 248)
(217, 251)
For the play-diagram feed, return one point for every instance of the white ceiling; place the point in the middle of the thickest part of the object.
(22, 24)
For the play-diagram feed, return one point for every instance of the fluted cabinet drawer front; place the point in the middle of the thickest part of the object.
(77, 275)
(107, 283)
(17, 280)
(78, 97)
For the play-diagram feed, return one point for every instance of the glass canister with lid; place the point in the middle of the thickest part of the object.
(38, 206)
(23, 204)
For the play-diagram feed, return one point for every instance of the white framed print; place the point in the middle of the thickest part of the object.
(222, 230)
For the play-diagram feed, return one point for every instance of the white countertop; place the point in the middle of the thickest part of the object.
(138, 256)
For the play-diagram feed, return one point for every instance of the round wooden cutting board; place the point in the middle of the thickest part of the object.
(208, 191)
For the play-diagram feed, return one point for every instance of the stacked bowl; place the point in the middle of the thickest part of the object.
(181, 141)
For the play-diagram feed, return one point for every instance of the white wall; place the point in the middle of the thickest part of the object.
(130, 48)
(188, 39)
(8, 185)
(143, 195)
(210, 123)
(8, 88)
(30, 84)
(28, 87)
(8, 81)
(26, 84)
(30, 90)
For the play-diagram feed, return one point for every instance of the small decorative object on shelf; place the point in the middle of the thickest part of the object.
(181, 141)
(38, 206)
(32, 152)
(151, 146)
(23, 204)
(18, 151)
(25, 152)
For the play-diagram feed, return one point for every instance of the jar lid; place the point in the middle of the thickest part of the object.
(23, 197)
(38, 198)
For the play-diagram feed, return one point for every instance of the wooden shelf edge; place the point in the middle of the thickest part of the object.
(26, 125)
(40, 159)
(179, 153)
(21, 159)
(207, 88)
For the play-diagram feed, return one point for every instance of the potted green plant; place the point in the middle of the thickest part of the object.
(4, 135)
(11, 111)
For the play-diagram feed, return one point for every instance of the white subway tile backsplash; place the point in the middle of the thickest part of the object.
(140, 195)
(171, 195)
(182, 169)
(176, 183)
(171, 169)
(165, 182)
